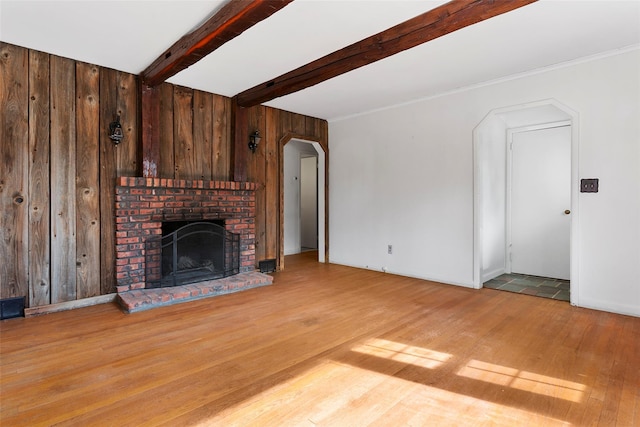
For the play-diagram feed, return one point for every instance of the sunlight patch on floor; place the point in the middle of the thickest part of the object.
(342, 392)
(523, 380)
(336, 394)
(404, 353)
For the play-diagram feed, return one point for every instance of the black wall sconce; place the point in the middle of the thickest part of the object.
(115, 131)
(254, 140)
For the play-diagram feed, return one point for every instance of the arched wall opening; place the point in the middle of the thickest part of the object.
(490, 140)
(322, 190)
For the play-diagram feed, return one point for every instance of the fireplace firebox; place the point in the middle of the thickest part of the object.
(196, 251)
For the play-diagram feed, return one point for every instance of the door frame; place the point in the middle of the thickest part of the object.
(509, 177)
(478, 160)
(323, 195)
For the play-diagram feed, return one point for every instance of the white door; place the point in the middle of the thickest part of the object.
(540, 202)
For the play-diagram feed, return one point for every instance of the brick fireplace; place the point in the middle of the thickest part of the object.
(143, 204)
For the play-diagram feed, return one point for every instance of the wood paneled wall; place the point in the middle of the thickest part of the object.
(58, 167)
(195, 132)
(58, 174)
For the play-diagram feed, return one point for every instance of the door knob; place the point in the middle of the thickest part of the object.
(567, 212)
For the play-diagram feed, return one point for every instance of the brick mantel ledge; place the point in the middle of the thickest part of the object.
(130, 181)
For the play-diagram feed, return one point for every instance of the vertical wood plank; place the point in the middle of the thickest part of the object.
(87, 181)
(39, 205)
(239, 139)
(14, 146)
(185, 163)
(312, 126)
(298, 124)
(63, 173)
(285, 123)
(108, 106)
(272, 187)
(150, 126)
(256, 172)
(202, 134)
(221, 138)
(167, 155)
(127, 98)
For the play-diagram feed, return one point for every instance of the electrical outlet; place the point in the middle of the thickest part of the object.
(389, 249)
(589, 185)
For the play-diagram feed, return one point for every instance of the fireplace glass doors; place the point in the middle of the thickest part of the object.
(197, 251)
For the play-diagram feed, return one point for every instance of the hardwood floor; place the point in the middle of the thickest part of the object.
(326, 345)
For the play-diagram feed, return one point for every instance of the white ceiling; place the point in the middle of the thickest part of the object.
(129, 35)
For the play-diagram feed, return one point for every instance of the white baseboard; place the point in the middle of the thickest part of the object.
(435, 279)
(626, 310)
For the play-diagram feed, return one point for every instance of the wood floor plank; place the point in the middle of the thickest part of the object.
(325, 345)
(629, 401)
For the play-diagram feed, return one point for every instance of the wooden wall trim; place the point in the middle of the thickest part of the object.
(70, 305)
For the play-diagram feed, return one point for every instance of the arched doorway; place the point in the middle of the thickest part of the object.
(300, 197)
(321, 215)
(491, 140)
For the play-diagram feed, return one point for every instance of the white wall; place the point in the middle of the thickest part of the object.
(404, 176)
(491, 153)
(291, 198)
(309, 202)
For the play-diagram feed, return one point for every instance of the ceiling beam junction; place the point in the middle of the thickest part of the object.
(229, 22)
(428, 26)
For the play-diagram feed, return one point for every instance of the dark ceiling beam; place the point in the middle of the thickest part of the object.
(435, 23)
(229, 22)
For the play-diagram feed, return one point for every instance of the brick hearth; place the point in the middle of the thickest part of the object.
(144, 299)
(142, 204)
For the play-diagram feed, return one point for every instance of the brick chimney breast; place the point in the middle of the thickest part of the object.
(142, 204)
